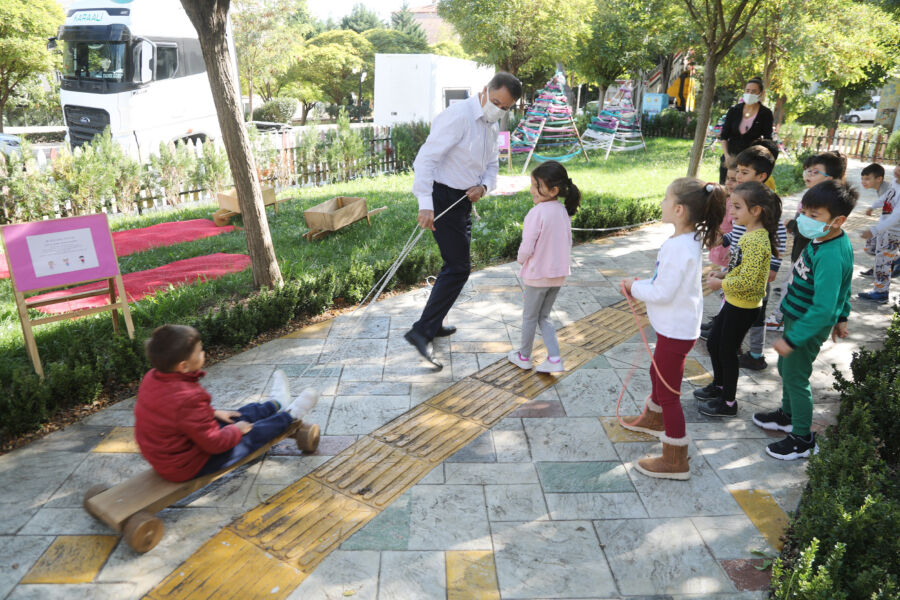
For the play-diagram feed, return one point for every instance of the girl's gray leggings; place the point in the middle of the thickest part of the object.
(538, 302)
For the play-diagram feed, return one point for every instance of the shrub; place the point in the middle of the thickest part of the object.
(846, 528)
(212, 170)
(670, 123)
(26, 193)
(893, 146)
(169, 171)
(276, 110)
(344, 147)
(408, 138)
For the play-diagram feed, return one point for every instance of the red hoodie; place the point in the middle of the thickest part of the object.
(175, 427)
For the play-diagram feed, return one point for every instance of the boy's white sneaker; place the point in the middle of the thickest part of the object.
(551, 367)
(516, 358)
(303, 403)
(280, 392)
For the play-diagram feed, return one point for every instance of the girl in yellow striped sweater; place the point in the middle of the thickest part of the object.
(757, 208)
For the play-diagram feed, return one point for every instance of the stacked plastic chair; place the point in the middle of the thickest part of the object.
(617, 128)
(548, 124)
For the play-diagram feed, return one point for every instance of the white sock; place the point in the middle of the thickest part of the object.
(303, 403)
(280, 392)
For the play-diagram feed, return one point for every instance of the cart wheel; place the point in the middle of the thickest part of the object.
(143, 531)
(307, 438)
(92, 491)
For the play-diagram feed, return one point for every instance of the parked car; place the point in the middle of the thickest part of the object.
(866, 113)
(9, 143)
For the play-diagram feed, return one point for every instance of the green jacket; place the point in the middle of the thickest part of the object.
(819, 293)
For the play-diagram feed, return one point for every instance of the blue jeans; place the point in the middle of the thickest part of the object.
(268, 423)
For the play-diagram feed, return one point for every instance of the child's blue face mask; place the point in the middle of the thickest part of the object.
(810, 228)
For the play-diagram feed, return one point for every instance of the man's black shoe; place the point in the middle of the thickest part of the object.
(423, 345)
(445, 331)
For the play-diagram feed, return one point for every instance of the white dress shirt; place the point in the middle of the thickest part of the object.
(460, 152)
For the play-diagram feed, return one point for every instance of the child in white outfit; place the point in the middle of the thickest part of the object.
(544, 256)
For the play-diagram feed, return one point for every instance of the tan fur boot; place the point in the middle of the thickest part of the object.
(673, 464)
(650, 422)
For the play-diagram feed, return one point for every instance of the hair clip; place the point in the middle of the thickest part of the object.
(710, 187)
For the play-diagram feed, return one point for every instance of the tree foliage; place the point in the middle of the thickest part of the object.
(449, 48)
(514, 33)
(361, 19)
(25, 26)
(403, 20)
(329, 66)
(393, 41)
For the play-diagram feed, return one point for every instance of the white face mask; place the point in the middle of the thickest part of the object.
(491, 112)
(751, 98)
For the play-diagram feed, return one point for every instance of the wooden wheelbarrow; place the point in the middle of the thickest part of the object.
(131, 506)
(336, 213)
(229, 206)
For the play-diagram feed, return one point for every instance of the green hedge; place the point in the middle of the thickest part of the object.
(276, 110)
(83, 358)
(844, 542)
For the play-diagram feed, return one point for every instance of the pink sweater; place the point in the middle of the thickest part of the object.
(546, 242)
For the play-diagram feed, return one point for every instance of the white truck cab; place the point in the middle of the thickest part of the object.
(136, 67)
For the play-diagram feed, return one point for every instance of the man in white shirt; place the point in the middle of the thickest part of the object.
(458, 159)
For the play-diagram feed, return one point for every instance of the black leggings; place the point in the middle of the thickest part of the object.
(728, 330)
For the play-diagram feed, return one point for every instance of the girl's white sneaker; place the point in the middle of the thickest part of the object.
(516, 358)
(303, 403)
(280, 393)
(550, 367)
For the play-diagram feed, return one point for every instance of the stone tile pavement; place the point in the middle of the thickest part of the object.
(546, 504)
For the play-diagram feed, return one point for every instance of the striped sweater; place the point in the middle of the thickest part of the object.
(731, 239)
(819, 293)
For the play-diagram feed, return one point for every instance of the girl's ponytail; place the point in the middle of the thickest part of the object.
(554, 175)
(705, 203)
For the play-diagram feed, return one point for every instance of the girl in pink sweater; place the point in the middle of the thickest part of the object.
(544, 256)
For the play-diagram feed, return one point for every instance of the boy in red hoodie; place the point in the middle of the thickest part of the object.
(176, 428)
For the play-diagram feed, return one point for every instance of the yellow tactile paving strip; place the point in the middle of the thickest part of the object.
(765, 513)
(119, 440)
(72, 559)
(471, 575)
(286, 537)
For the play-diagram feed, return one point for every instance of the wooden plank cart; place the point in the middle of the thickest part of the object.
(336, 213)
(229, 206)
(131, 506)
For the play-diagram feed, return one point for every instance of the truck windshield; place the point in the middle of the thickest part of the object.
(94, 60)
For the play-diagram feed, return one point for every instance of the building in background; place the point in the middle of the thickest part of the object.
(438, 81)
(436, 29)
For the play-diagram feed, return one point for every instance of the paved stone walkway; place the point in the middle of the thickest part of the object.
(544, 504)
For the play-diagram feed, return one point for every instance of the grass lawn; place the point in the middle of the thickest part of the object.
(354, 253)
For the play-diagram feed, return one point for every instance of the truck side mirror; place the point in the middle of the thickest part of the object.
(143, 55)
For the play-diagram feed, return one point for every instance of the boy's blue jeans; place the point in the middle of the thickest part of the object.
(268, 422)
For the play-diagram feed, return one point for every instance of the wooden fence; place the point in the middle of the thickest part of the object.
(862, 144)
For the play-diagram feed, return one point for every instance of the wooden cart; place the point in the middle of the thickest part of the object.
(131, 506)
(229, 206)
(336, 213)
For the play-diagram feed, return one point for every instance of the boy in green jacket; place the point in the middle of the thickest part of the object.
(816, 304)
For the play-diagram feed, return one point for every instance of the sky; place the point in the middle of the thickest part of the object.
(336, 9)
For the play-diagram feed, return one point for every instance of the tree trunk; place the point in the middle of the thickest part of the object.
(706, 101)
(837, 106)
(1, 119)
(307, 106)
(603, 87)
(779, 110)
(249, 97)
(209, 18)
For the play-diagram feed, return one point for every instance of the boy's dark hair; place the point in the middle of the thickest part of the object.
(551, 174)
(757, 158)
(837, 197)
(705, 203)
(874, 169)
(834, 162)
(770, 145)
(171, 344)
(756, 194)
(508, 81)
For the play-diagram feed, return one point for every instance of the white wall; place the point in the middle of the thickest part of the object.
(410, 87)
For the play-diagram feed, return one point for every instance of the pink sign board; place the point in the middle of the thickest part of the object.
(503, 141)
(59, 252)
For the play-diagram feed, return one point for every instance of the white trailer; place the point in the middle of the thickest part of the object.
(134, 66)
(416, 87)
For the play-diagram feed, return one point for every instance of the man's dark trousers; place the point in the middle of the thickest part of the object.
(453, 234)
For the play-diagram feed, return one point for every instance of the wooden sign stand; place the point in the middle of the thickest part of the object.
(115, 289)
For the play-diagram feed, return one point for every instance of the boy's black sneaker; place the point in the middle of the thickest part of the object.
(777, 420)
(718, 408)
(867, 273)
(793, 447)
(710, 392)
(747, 361)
